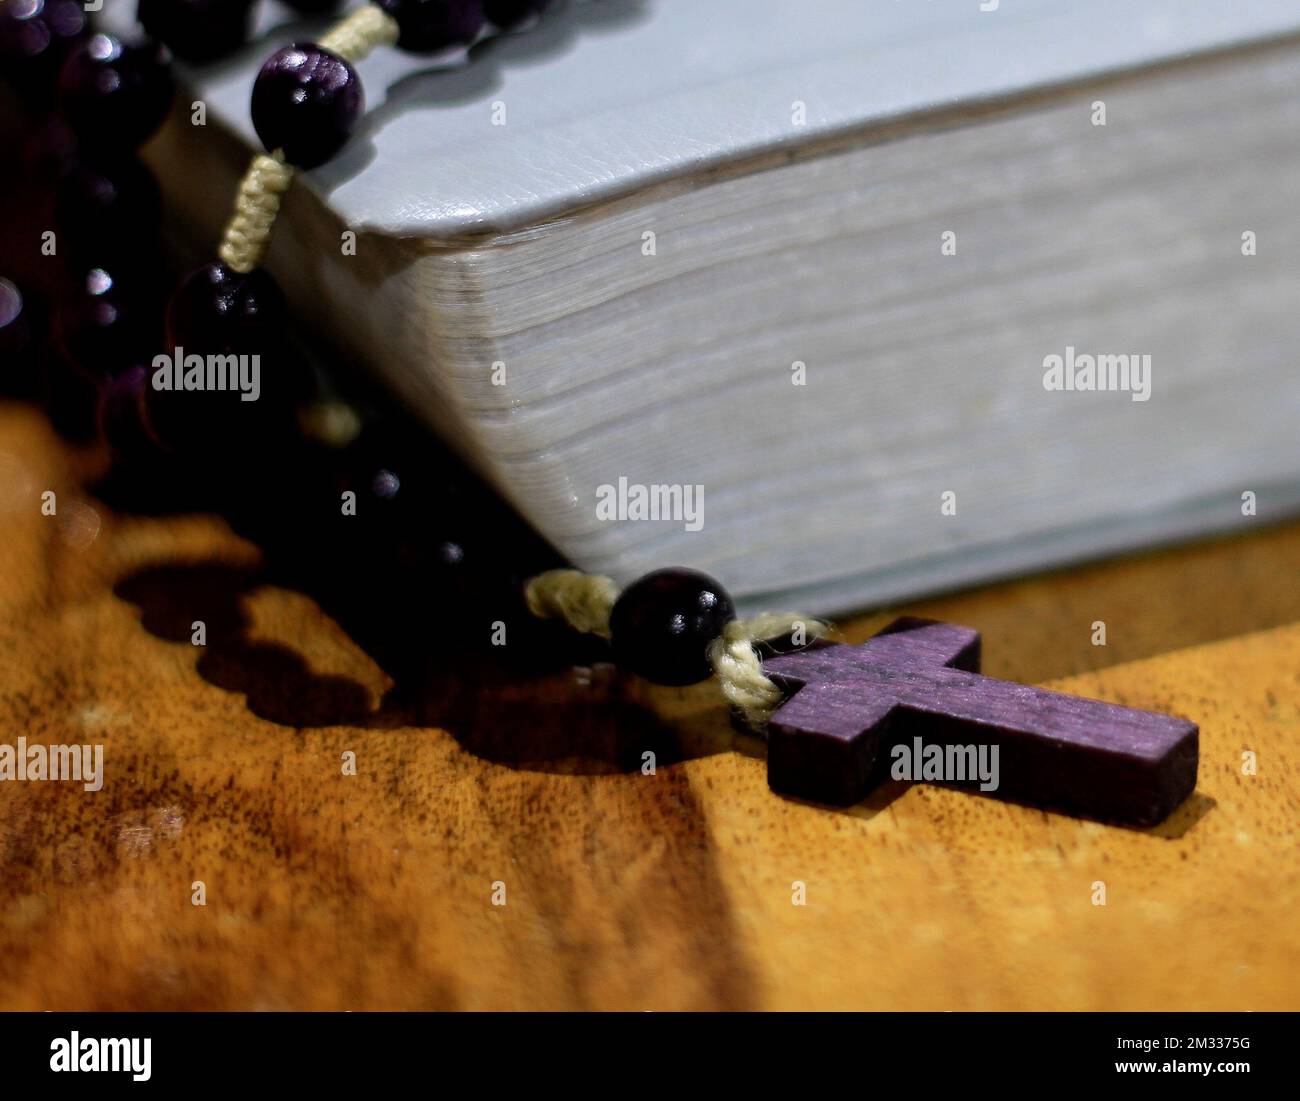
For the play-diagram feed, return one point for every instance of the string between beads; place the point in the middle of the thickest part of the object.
(258, 202)
(354, 37)
(584, 601)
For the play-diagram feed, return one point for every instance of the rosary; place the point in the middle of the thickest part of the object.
(835, 716)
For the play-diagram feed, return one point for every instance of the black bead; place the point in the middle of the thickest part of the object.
(108, 213)
(506, 13)
(662, 624)
(428, 25)
(105, 325)
(216, 311)
(70, 401)
(115, 94)
(49, 152)
(197, 30)
(36, 37)
(306, 101)
(123, 421)
(70, 397)
(17, 352)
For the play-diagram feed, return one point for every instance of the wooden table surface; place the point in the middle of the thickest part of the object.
(622, 890)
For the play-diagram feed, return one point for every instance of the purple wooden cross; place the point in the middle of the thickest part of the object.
(835, 737)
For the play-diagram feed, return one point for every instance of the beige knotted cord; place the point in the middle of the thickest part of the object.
(356, 35)
(330, 422)
(584, 601)
(248, 233)
(739, 669)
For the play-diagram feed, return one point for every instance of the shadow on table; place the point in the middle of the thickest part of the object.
(550, 715)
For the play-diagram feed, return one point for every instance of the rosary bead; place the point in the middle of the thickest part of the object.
(217, 311)
(662, 624)
(108, 212)
(197, 30)
(213, 312)
(115, 94)
(306, 101)
(16, 349)
(35, 39)
(426, 26)
(123, 421)
(69, 395)
(49, 153)
(506, 13)
(11, 315)
(102, 327)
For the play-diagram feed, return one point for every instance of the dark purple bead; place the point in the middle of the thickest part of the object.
(35, 39)
(197, 30)
(219, 312)
(506, 13)
(662, 624)
(306, 101)
(108, 213)
(17, 359)
(215, 310)
(407, 508)
(400, 504)
(105, 325)
(49, 152)
(116, 94)
(428, 25)
(70, 399)
(11, 315)
(123, 419)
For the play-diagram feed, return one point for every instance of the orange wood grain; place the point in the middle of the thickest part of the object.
(623, 890)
